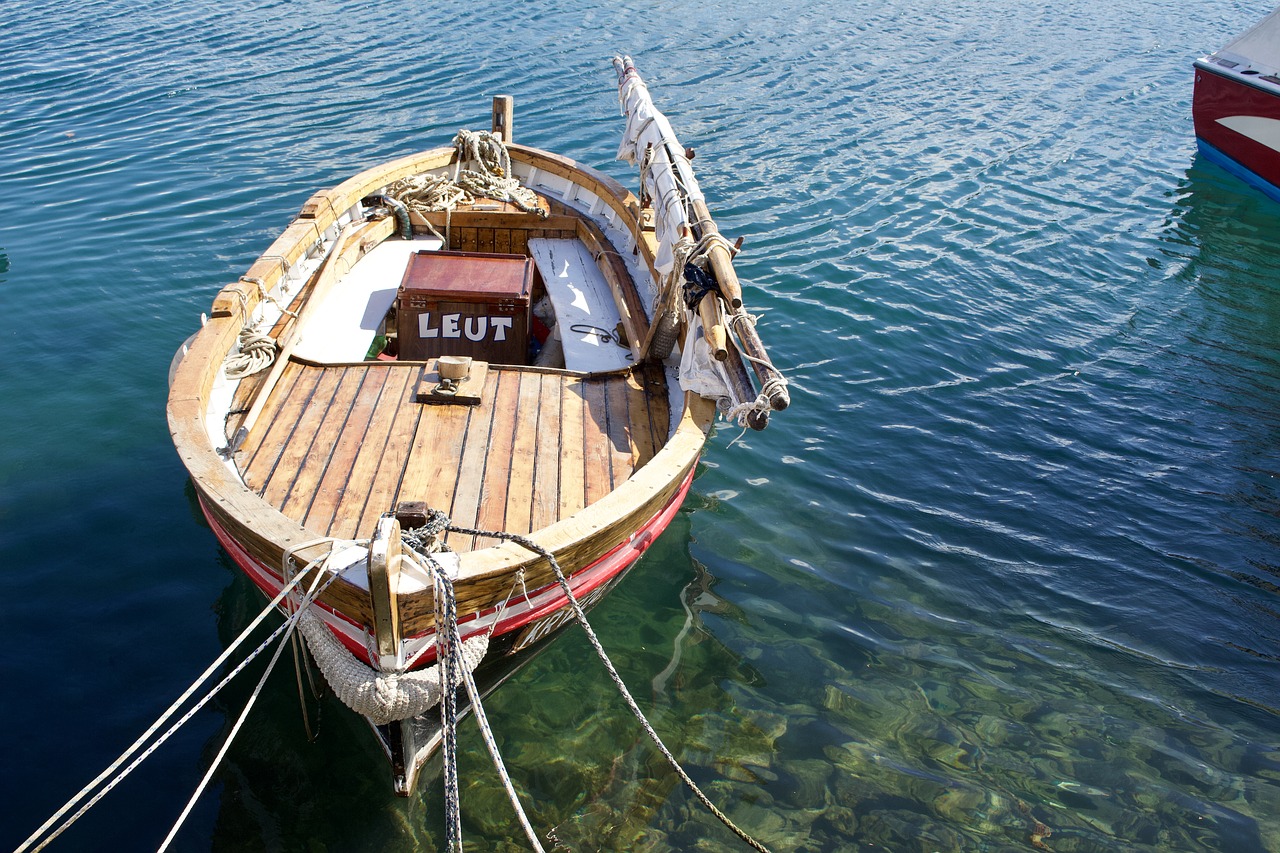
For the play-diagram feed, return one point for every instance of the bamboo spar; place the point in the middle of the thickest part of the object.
(721, 262)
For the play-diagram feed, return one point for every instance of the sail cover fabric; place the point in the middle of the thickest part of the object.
(668, 168)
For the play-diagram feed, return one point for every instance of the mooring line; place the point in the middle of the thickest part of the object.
(290, 627)
(580, 614)
(34, 842)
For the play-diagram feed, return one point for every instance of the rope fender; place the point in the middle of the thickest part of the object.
(380, 696)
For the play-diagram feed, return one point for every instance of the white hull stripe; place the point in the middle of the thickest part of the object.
(1265, 131)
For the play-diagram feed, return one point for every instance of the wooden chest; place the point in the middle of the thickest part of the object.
(465, 303)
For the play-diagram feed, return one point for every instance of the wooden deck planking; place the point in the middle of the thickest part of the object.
(306, 484)
(308, 429)
(620, 446)
(342, 445)
(332, 486)
(374, 447)
(639, 416)
(492, 511)
(520, 483)
(275, 425)
(573, 480)
(474, 464)
(595, 428)
(395, 456)
(545, 506)
(432, 470)
(658, 404)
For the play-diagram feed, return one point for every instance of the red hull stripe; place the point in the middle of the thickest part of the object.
(523, 609)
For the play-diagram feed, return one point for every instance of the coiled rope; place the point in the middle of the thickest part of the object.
(257, 352)
(491, 178)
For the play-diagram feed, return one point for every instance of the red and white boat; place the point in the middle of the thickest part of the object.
(487, 333)
(1236, 106)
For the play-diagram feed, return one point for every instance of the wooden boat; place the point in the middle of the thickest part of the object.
(414, 323)
(1236, 106)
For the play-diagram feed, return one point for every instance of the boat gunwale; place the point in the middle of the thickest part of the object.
(265, 530)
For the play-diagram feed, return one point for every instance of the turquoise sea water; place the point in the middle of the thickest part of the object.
(1005, 577)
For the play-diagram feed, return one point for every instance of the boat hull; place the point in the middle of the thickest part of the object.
(1237, 125)
(524, 621)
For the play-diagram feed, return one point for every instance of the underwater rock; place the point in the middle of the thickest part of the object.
(960, 805)
(808, 782)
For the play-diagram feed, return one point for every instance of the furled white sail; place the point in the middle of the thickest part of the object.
(650, 143)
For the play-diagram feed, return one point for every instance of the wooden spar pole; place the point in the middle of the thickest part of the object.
(712, 312)
(740, 383)
(503, 115)
(718, 255)
(721, 262)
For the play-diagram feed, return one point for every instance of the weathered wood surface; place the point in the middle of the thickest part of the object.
(539, 446)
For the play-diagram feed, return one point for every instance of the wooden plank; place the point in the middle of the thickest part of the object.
(473, 465)
(493, 500)
(466, 238)
(545, 504)
(431, 471)
(395, 457)
(485, 240)
(519, 513)
(310, 426)
(330, 489)
(322, 450)
(378, 448)
(639, 424)
(573, 482)
(659, 403)
(516, 220)
(622, 451)
(502, 241)
(264, 445)
(595, 427)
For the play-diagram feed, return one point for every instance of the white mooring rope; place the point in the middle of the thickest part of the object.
(143, 747)
(290, 624)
